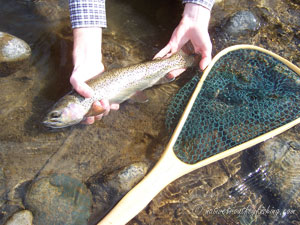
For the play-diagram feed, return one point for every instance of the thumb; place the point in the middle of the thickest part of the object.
(82, 88)
(204, 62)
(163, 52)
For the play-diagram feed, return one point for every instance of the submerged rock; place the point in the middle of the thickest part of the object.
(21, 218)
(275, 176)
(108, 190)
(14, 53)
(281, 155)
(52, 10)
(241, 23)
(59, 199)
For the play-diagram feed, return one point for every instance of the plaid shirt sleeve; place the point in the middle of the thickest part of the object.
(205, 3)
(87, 13)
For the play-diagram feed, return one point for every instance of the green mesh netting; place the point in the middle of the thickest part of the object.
(246, 94)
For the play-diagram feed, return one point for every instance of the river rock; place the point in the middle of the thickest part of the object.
(52, 10)
(242, 23)
(14, 53)
(23, 217)
(281, 155)
(59, 199)
(109, 189)
(275, 175)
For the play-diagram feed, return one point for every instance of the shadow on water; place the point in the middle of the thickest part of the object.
(55, 83)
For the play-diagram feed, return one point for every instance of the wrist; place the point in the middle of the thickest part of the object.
(196, 13)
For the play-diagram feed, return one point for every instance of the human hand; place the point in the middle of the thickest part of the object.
(87, 60)
(192, 27)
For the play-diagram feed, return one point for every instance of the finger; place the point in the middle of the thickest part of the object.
(205, 56)
(99, 117)
(163, 52)
(89, 120)
(114, 106)
(105, 105)
(204, 62)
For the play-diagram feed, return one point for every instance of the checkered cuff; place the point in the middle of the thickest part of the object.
(205, 3)
(87, 13)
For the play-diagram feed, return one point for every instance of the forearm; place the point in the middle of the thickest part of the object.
(87, 45)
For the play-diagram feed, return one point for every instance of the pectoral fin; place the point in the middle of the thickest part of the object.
(166, 79)
(139, 97)
(95, 110)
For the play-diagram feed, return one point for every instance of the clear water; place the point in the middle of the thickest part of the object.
(136, 31)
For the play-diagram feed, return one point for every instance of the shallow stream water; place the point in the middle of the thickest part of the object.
(136, 133)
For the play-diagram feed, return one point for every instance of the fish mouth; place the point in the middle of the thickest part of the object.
(54, 124)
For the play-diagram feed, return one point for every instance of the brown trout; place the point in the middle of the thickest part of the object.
(117, 86)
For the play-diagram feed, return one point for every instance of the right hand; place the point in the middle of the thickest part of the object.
(192, 27)
(87, 58)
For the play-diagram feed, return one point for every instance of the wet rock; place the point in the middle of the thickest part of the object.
(14, 53)
(8, 210)
(21, 218)
(281, 157)
(53, 10)
(242, 23)
(275, 175)
(59, 199)
(108, 190)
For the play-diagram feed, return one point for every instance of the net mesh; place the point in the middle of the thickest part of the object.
(246, 94)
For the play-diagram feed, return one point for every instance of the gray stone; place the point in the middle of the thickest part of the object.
(242, 22)
(14, 53)
(23, 217)
(108, 190)
(59, 199)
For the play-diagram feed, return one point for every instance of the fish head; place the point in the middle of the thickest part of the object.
(65, 113)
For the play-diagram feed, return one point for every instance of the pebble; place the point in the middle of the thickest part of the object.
(23, 217)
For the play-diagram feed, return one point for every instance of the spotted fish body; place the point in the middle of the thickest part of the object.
(116, 85)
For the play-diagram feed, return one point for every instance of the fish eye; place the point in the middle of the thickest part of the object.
(55, 114)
